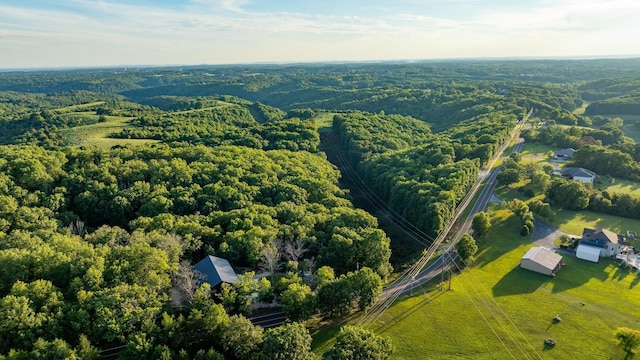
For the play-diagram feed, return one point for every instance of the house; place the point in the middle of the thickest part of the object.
(541, 260)
(564, 154)
(215, 270)
(597, 243)
(579, 174)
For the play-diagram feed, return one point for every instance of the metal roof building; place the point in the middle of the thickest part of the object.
(541, 260)
(215, 270)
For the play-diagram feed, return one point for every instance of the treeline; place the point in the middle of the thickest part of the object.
(420, 176)
(611, 86)
(226, 125)
(575, 195)
(627, 104)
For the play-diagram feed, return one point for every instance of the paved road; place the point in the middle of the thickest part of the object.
(450, 255)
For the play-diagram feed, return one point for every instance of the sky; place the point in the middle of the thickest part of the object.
(90, 33)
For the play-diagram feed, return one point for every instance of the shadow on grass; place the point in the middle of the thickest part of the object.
(578, 272)
(497, 243)
(519, 281)
(410, 311)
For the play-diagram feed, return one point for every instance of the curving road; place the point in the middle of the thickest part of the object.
(443, 262)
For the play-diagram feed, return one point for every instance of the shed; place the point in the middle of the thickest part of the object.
(541, 260)
(564, 154)
(215, 270)
(586, 252)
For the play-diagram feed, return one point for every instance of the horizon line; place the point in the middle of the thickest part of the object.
(335, 62)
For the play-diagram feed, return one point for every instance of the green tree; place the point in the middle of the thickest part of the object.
(354, 343)
(628, 339)
(367, 286)
(287, 342)
(325, 274)
(335, 299)
(241, 339)
(573, 195)
(466, 247)
(508, 176)
(480, 224)
(298, 301)
(541, 180)
(236, 297)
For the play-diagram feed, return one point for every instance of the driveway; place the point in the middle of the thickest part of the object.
(545, 235)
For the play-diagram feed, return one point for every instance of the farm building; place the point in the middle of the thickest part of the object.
(215, 270)
(564, 154)
(541, 260)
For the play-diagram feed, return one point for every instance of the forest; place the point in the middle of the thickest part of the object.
(97, 243)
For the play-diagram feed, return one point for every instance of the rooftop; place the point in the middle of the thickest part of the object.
(216, 270)
(578, 171)
(601, 234)
(543, 256)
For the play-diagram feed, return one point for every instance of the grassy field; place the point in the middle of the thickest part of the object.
(324, 121)
(573, 222)
(497, 310)
(533, 151)
(619, 186)
(97, 134)
(77, 108)
(582, 108)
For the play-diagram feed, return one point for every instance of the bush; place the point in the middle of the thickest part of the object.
(529, 192)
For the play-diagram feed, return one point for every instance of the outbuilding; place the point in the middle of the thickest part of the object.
(215, 270)
(541, 260)
(589, 253)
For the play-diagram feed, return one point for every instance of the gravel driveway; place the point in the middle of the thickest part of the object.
(544, 234)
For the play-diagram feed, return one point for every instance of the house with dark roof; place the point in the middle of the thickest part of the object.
(597, 243)
(564, 154)
(215, 270)
(579, 174)
(541, 260)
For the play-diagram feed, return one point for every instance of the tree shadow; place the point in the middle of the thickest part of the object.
(635, 281)
(519, 281)
(578, 272)
(395, 319)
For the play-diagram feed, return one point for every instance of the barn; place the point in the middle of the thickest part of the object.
(541, 260)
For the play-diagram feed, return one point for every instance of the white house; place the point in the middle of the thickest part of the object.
(579, 174)
(541, 260)
(598, 243)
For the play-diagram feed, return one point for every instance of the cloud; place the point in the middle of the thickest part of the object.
(230, 5)
(215, 31)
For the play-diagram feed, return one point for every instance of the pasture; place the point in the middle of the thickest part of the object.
(497, 310)
(98, 134)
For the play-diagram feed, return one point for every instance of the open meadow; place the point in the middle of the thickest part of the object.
(497, 310)
(98, 134)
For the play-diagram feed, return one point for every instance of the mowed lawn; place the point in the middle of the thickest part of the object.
(496, 310)
(98, 134)
(621, 186)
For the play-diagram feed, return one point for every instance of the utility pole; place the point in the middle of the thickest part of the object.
(442, 274)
